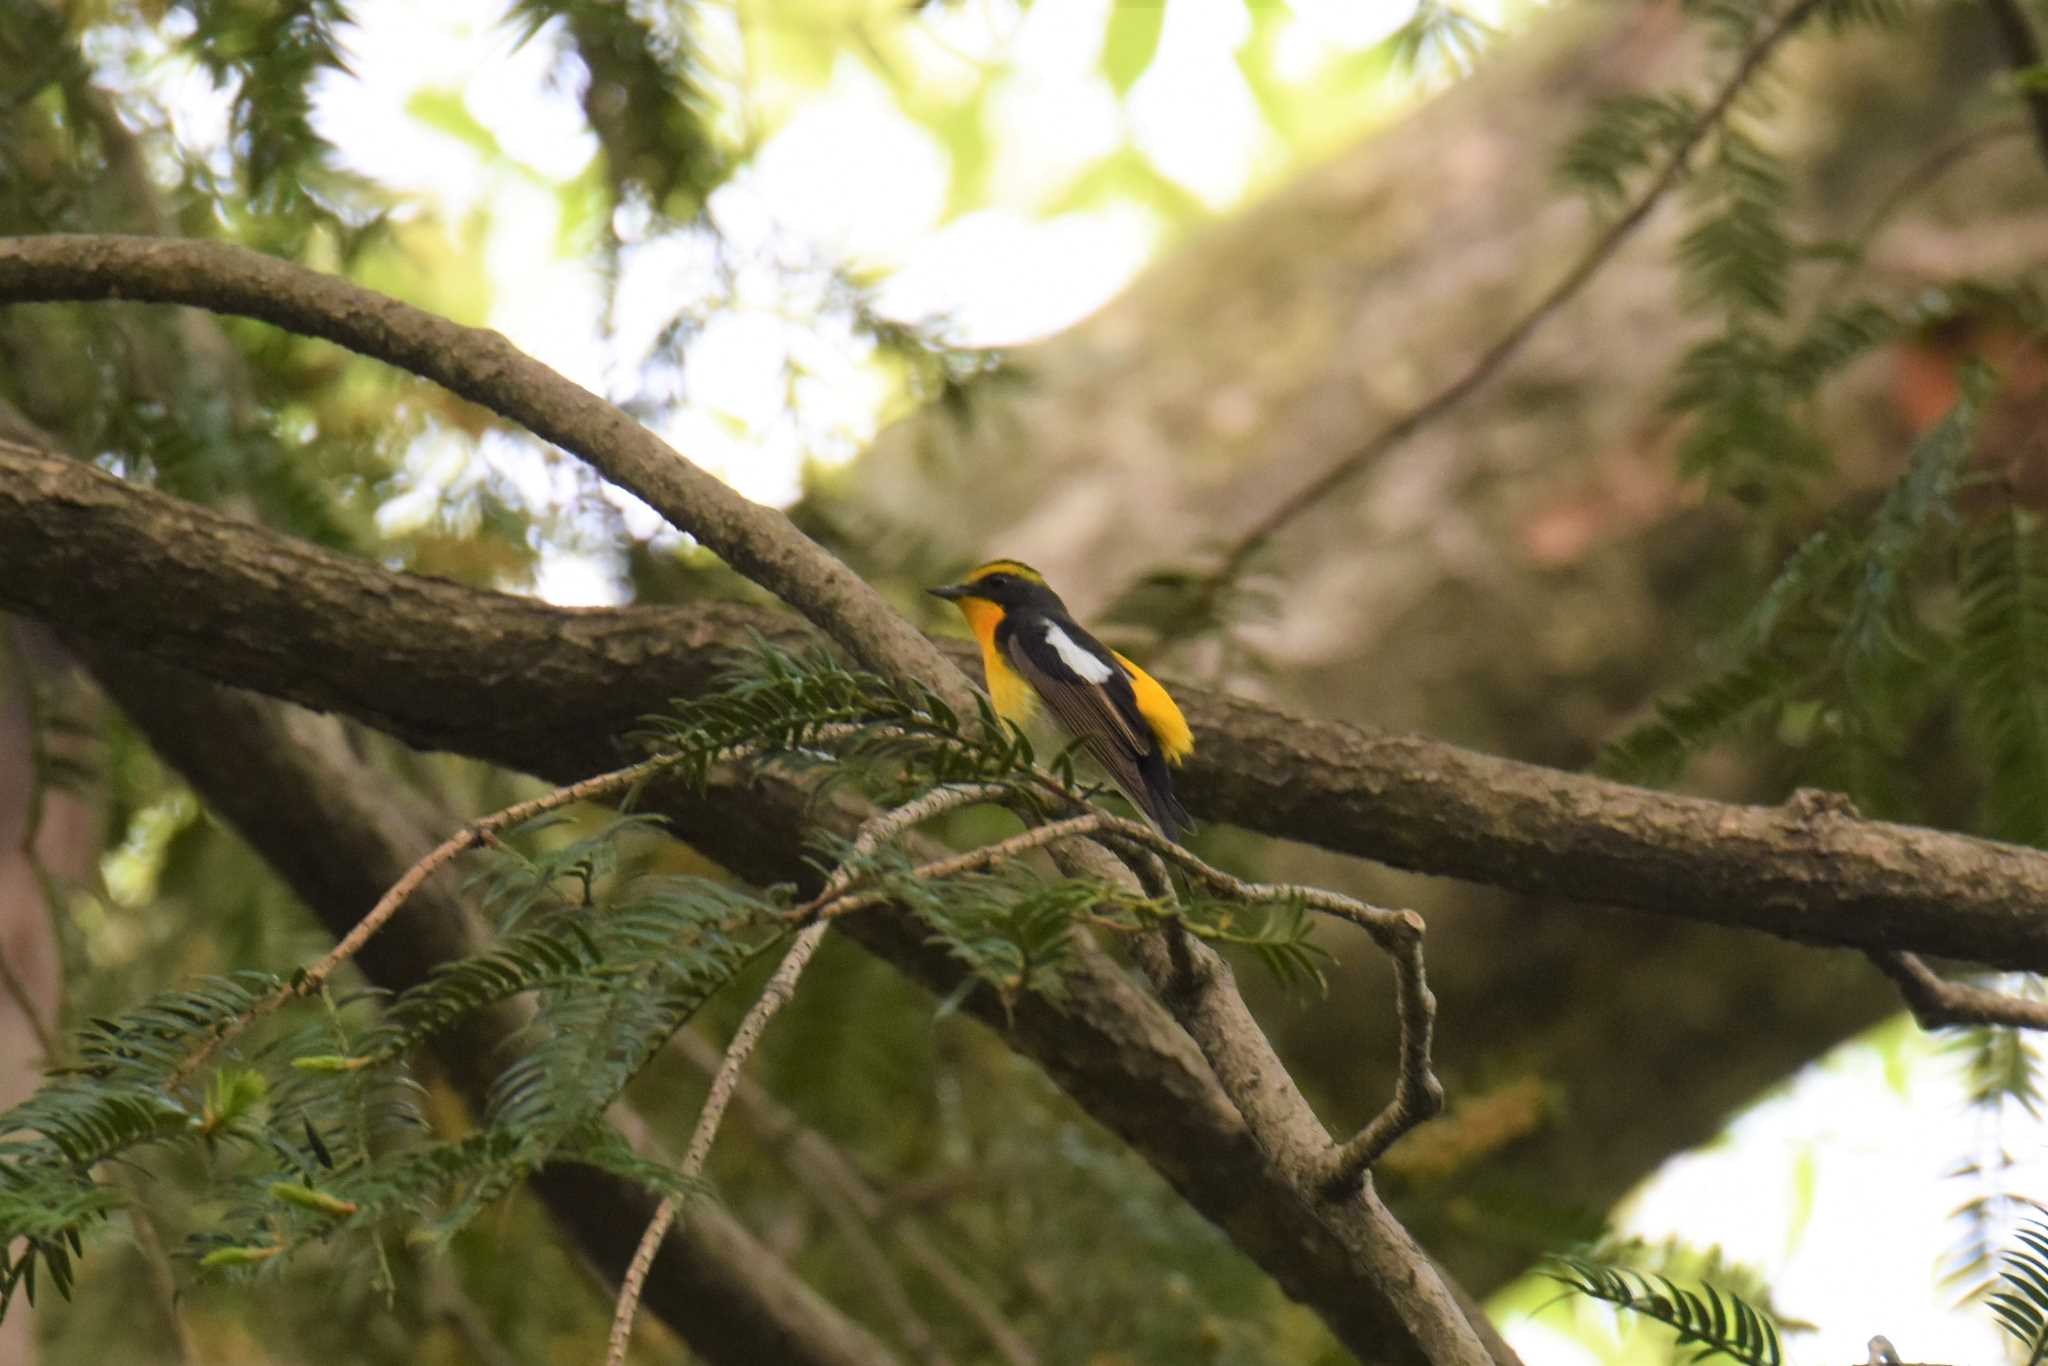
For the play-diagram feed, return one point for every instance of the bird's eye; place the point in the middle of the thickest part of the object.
(995, 581)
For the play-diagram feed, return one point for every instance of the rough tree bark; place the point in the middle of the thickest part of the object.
(497, 677)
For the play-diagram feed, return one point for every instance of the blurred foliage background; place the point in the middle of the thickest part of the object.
(1095, 285)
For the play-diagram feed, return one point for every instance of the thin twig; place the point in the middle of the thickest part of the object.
(1936, 1002)
(162, 1283)
(781, 987)
(2023, 54)
(1504, 348)
(485, 831)
(1918, 177)
(837, 1181)
(312, 979)
(1386, 927)
(836, 901)
(1923, 173)
(1418, 1095)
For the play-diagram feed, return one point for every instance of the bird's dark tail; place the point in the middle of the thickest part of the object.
(1157, 801)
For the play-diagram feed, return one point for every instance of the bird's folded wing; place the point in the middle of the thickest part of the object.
(1102, 715)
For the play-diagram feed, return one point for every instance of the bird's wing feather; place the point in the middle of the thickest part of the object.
(1102, 715)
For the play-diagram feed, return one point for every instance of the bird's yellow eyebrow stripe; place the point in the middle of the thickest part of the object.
(1021, 570)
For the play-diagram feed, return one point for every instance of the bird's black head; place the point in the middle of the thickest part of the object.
(1009, 584)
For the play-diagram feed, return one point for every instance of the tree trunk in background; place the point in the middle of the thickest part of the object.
(65, 842)
(1521, 577)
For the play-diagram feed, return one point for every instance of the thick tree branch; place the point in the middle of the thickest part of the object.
(1198, 987)
(105, 558)
(483, 367)
(548, 689)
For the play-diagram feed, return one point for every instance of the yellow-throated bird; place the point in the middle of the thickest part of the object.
(1031, 649)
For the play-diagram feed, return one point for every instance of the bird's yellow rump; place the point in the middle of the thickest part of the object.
(1033, 652)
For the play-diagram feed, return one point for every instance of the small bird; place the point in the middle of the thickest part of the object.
(1032, 650)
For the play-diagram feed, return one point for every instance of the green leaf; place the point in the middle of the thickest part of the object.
(1131, 41)
(2021, 1303)
(238, 1256)
(1625, 134)
(1719, 1323)
(1655, 751)
(305, 1197)
(235, 1095)
(1879, 625)
(2004, 671)
(445, 111)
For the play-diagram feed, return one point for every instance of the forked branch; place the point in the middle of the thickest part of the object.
(1418, 1094)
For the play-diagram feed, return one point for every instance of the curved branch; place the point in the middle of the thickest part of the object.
(1418, 1095)
(485, 368)
(547, 689)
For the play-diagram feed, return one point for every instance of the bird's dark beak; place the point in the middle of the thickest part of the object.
(951, 592)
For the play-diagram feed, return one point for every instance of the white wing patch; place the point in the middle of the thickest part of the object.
(1074, 657)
